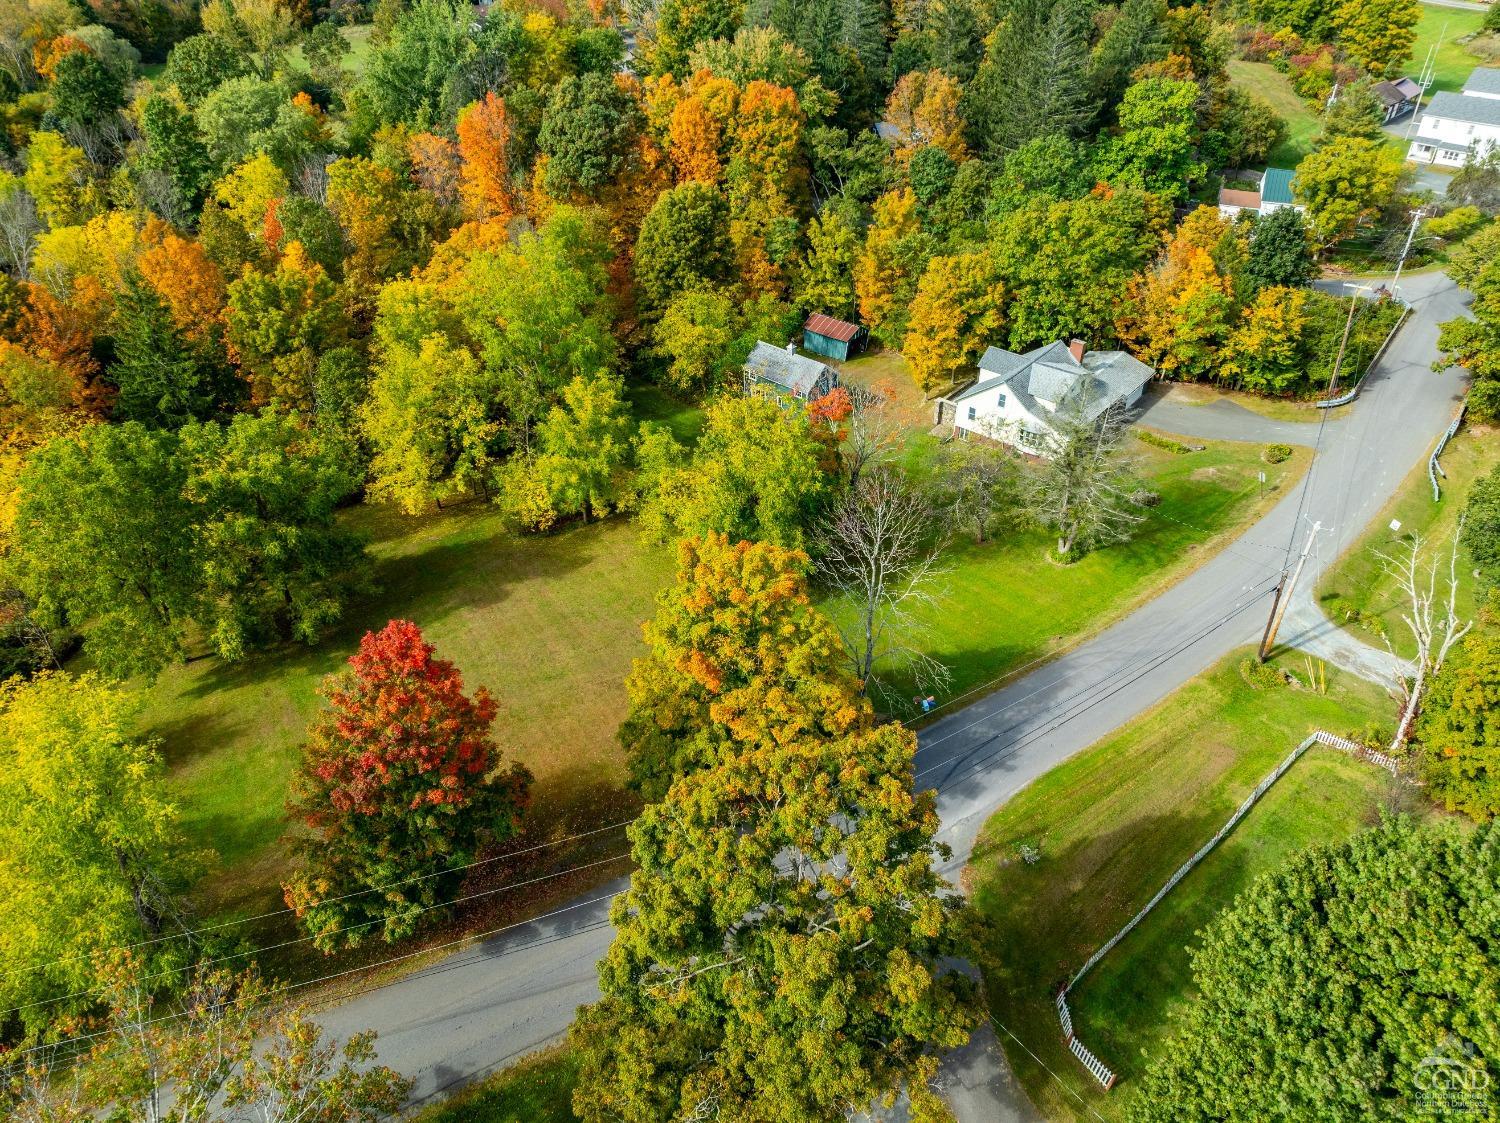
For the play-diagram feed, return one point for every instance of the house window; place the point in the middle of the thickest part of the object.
(1000, 402)
(972, 413)
(1029, 438)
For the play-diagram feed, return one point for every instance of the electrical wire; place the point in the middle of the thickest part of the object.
(192, 932)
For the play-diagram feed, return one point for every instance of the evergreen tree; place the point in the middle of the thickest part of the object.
(1135, 36)
(164, 379)
(1034, 80)
(1328, 988)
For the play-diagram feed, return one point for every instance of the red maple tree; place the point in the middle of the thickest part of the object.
(400, 781)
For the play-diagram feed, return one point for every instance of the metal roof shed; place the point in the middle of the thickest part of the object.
(836, 339)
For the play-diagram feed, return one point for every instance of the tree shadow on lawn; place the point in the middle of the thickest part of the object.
(425, 586)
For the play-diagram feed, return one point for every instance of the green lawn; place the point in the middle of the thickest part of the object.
(651, 403)
(1113, 823)
(537, 1090)
(1461, 45)
(1358, 582)
(548, 624)
(1302, 124)
(1005, 602)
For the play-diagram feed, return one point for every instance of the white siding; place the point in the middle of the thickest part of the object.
(991, 418)
(1442, 140)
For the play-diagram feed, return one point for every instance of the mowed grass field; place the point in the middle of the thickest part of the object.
(1462, 44)
(1276, 88)
(1005, 603)
(1114, 823)
(549, 624)
(1360, 577)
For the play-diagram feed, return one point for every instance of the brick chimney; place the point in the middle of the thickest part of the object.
(1075, 348)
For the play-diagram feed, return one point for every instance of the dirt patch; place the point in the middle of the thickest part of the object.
(1206, 474)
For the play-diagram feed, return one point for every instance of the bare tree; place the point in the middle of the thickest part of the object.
(20, 226)
(1431, 616)
(1084, 490)
(879, 551)
(874, 434)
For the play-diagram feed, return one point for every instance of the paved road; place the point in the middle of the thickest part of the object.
(501, 999)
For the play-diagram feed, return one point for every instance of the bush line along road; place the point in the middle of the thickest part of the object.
(502, 998)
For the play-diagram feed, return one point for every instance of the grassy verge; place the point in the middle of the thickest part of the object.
(1359, 592)
(1273, 409)
(1113, 823)
(1006, 603)
(1265, 81)
(538, 1089)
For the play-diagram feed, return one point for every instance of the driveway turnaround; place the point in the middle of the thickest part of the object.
(497, 1000)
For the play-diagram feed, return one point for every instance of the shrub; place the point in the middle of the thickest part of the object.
(1260, 676)
(1275, 454)
(1156, 440)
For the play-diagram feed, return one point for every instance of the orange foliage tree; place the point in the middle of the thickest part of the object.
(191, 285)
(484, 132)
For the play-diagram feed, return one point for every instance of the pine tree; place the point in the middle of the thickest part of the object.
(164, 380)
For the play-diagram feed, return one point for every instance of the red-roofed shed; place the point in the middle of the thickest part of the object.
(837, 339)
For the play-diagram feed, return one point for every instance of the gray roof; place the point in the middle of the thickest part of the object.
(1401, 90)
(1053, 375)
(1484, 80)
(1464, 107)
(776, 364)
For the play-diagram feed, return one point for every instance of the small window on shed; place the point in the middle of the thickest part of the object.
(972, 413)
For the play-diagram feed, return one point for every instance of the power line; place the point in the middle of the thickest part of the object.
(973, 763)
(437, 968)
(190, 932)
(324, 935)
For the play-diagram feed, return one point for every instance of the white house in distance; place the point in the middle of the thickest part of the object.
(784, 373)
(1016, 394)
(1453, 126)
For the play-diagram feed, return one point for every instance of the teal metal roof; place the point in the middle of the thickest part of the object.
(1276, 187)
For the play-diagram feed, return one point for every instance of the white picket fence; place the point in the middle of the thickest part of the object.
(1096, 1067)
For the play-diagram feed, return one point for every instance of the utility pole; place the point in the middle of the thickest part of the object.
(1338, 363)
(1406, 249)
(1284, 597)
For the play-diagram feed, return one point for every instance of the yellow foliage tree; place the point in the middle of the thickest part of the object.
(960, 305)
(1180, 314)
(248, 191)
(885, 271)
(923, 107)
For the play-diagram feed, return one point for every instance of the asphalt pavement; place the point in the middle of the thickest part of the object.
(498, 1000)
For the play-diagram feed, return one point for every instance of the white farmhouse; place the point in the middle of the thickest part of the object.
(1455, 126)
(1016, 394)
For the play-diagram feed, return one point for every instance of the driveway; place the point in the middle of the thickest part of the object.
(479, 1009)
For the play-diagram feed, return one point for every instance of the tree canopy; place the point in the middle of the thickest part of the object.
(1326, 985)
